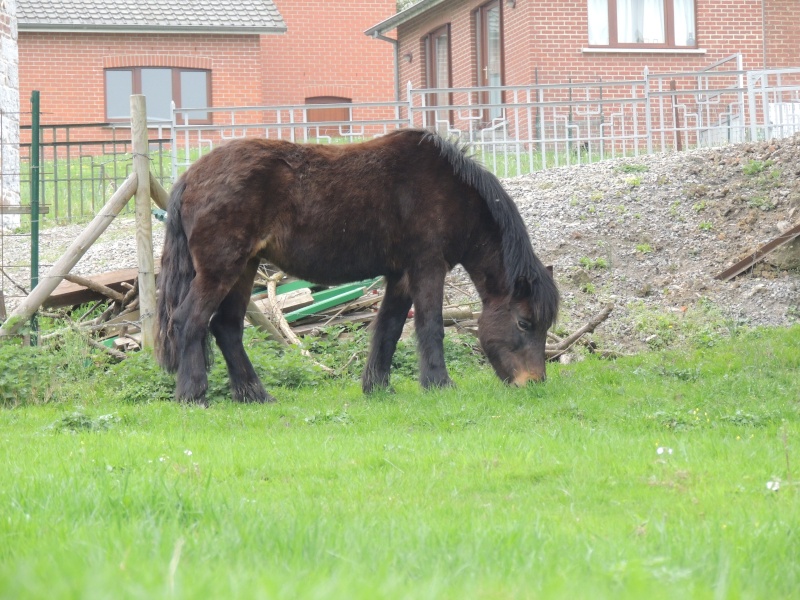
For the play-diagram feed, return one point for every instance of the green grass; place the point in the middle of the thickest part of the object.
(482, 491)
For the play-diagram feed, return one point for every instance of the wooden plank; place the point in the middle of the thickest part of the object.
(292, 286)
(758, 255)
(15, 209)
(71, 294)
(357, 317)
(364, 301)
(328, 302)
(341, 289)
(288, 302)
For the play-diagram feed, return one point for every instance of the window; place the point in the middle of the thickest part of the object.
(187, 87)
(437, 71)
(321, 115)
(489, 50)
(656, 23)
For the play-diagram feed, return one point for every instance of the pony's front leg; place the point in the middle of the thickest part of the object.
(428, 294)
(386, 331)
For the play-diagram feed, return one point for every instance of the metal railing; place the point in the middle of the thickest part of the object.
(519, 129)
(294, 123)
(83, 163)
(513, 129)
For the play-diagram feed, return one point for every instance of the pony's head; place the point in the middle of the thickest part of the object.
(513, 329)
(522, 303)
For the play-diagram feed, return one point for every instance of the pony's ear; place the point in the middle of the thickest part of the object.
(522, 288)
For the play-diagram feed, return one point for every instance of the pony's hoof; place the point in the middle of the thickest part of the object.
(252, 394)
(200, 402)
(433, 384)
(375, 386)
(265, 399)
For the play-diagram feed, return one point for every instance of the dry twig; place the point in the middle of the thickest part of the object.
(567, 342)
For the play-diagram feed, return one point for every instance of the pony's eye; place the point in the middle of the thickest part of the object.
(524, 325)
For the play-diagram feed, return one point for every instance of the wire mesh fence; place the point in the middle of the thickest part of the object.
(14, 223)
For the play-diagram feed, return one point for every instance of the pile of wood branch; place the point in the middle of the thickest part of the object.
(119, 321)
(286, 317)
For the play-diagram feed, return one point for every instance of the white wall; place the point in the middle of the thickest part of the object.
(9, 110)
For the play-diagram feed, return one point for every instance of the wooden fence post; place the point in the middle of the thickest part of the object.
(144, 224)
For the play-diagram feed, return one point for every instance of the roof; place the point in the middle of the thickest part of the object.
(401, 17)
(186, 16)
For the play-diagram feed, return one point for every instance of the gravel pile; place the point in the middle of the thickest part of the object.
(654, 231)
(645, 232)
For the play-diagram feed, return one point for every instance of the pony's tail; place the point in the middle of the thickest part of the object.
(177, 272)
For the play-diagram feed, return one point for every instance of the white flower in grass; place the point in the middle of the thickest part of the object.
(663, 450)
(187, 452)
(774, 485)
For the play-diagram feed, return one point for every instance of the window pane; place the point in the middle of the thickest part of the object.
(598, 22)
(684, 23)
(119, 87)
(194, 93)
(640, 21)
(494, 51)
(441, 57)
(157, 88)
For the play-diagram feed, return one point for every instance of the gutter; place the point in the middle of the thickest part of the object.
(396, 46)
(377, 31)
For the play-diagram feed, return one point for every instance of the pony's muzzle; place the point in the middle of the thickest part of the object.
(524, 378)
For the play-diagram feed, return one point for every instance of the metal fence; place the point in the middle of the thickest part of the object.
(513, 129)
(83, 163)
(519, 129)
(14, 276)
(295, 123)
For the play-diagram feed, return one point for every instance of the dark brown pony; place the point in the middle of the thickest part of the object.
(409, 206)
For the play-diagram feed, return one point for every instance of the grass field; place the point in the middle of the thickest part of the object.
(648, 477)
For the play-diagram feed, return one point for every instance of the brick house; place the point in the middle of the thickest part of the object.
(87, 56)
(463, 43)
(585, 50)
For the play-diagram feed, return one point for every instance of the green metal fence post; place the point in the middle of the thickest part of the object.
(35, 178)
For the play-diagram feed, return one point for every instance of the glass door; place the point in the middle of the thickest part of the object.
(437, 45)
(490, 58)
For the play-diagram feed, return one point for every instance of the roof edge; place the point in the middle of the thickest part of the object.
(78, 28)
(402, 17)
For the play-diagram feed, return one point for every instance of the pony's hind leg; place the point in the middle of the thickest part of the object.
(190, 322)
(427, 291)
(227, 325)
(387, 329)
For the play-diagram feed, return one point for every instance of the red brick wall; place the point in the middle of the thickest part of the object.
(67, 68)
(783, 33)
(324, 52)
(548, 37)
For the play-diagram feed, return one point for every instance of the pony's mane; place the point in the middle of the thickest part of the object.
(518, 257)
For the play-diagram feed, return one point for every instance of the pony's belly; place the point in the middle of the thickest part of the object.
(324, 265)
